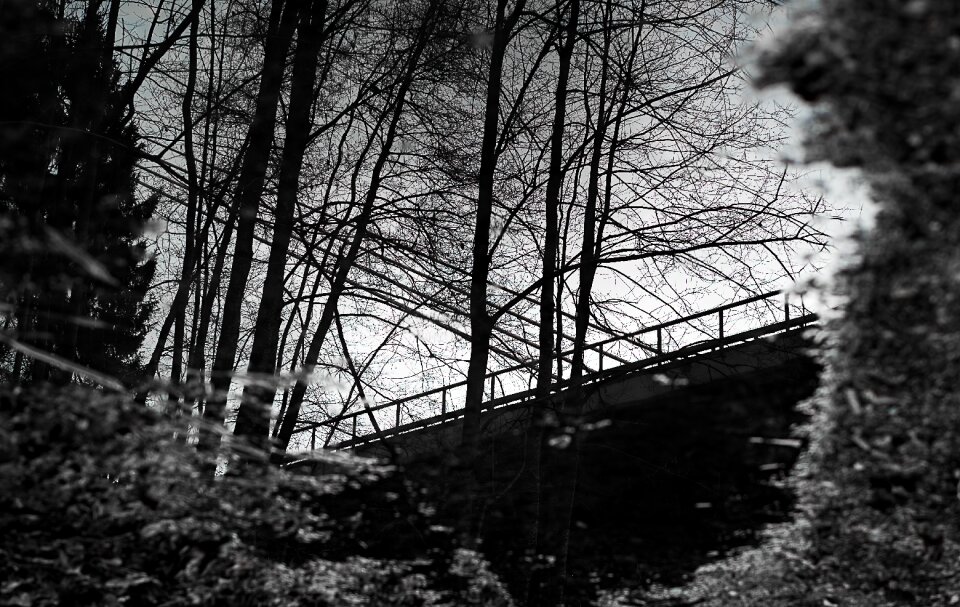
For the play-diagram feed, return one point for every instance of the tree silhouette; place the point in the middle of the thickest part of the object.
(74, 273)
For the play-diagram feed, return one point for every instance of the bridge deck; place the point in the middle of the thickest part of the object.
(524, 398)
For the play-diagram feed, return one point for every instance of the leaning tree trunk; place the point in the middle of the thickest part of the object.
(253, 417)
(348, 260)
(283, 18)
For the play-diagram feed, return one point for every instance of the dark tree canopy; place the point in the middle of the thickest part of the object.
(75, 273)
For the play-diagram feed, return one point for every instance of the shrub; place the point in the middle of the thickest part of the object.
(879, 522)
(100, 504)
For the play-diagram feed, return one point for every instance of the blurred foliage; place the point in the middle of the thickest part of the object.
(879, 516)
(100, 504)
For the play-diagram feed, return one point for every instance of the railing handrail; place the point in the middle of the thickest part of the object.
(367, 410)
(600, 376)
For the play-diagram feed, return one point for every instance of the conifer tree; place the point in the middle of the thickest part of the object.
(74, 274)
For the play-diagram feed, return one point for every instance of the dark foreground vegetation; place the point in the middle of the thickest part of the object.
(878, 521)
(644, 493)
(101, 505)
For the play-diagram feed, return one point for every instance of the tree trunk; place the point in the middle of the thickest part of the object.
(552, 223)
(363, 219)
(283, 18)
(193, 202)
(537, 432)
(481, 322)
(253, 417)
(588, 267)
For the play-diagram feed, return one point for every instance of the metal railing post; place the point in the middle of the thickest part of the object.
(313, 439)
(353, 435)
(601, 357)
(443, 402)
(720, 314)
(786, 309)
(659, 340)
(397, 423)
(492, 386)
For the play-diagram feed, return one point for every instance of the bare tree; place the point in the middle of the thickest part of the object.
(390, 116)
(249, 189)
(481, 325)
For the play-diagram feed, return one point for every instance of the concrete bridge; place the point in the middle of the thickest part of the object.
(668, 460)
(662, 364)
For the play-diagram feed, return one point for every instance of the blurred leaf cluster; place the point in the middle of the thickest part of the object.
(101, 505)
(879, 520)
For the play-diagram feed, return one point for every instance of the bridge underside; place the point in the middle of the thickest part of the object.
(664, 471)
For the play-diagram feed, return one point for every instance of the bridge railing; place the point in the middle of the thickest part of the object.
(718, 327)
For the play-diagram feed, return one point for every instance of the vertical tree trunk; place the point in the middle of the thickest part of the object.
(283, 19)
(537, 433)
(284, 335)
(362, 221)
(481, 323)
(560, 488)
(193, 202)
(552, 223)
(197, 361)
(588, 267)
(198, 338)
(253, 417)
(328, 251)
(211, 279)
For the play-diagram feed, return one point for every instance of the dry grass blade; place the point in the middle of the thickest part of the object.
(62, 363)
(91, 266)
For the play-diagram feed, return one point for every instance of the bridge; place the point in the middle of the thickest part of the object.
(735, 339)
(679, 452)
